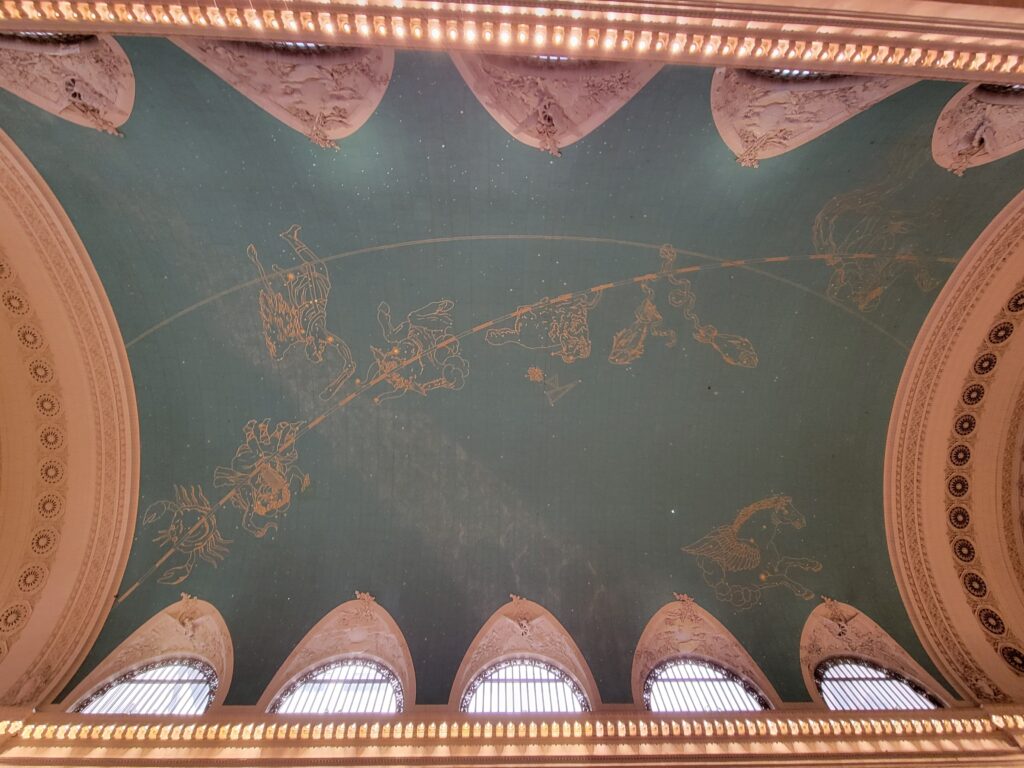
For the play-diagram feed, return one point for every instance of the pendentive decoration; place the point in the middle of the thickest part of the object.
(835, 630)
(522, 628)
(85, 79)
(981, 123)
(187, 629)
(357, 629)
(952, 460)
(682, 629)
(324, 92)
(550, 102)
(766, 113)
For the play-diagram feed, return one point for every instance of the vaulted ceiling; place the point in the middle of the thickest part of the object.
(718, 381)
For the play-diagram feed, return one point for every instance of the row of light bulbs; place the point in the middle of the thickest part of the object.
(571, 35)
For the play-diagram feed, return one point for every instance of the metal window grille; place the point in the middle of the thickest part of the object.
(798, 75)
(175, 687)
(852, 684)
(349, 686)
(524, 686)
(695, 685)
(48, 38)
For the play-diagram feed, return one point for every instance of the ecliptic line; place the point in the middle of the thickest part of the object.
(743, 264)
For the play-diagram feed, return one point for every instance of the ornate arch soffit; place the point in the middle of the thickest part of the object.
(325, 94)
(837, 629)
(69, 444)
(523, 628)
(759, 116)
(684, 629)
(189, 628)
(359, 628)
(952, 507)
(89, 82)
(550, 103)
(981, 123)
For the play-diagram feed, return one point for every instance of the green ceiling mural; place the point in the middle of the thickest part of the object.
(440, 366)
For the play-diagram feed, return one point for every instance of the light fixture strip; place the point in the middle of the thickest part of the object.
(518, 30)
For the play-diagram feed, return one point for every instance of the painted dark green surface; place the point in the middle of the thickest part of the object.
(441, 506)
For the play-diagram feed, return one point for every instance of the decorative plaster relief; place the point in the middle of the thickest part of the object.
(836, 629)
(759, 116)
(189, 628)
(551, 102)
(522, 628)
(359, 628)
(88, 81)
(684, 629)
(950, 470)
(981, 123)
(70, 464)
(325, 93)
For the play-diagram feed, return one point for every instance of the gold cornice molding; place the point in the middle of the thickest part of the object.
(926, 39)
(804, 737)
(90, 482)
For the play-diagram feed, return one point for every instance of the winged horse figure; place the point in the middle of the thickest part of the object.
(741, 560)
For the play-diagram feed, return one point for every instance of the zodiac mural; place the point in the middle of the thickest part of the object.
(628, 344)
(422, 355)
(560, 324)
(425, 355)
(553, 389)
(865, 239)
(191, 530)
(740, 560)
(296, 314)
(262, 474)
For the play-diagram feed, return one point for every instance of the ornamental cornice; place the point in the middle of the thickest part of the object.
(84, 493)
(942, 485)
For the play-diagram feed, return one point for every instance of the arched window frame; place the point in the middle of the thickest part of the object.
(385, 671)
(749, 688)
(206, 671)
(523, 629)
(187, 629)
(682, 629)
(574, 687)
(359, 629)
(835, 630)
(832, 661)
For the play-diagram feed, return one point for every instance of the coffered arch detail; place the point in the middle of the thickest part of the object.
(187, 629)
(682, 629)
(359, 628)
(952, 502)
(522, 628)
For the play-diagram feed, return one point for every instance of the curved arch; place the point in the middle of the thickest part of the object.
(682, 629)
(951, 467)
(981, 123)
(103, 91)
(69, 444)
(187, 629)
(523, 629)
(357, 629)
(837, 630)
(759, 117)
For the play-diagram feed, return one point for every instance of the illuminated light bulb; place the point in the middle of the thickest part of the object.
(692, 48)
(329, 28)
(346, 28)
(574, 40)
(435, 33)
(591, 42)
(364, 29)
(523, 35)
(557, 38)
(505, 37)
(726, 50)
(759, 51)
(400, 31)
(488, 35)
(659, 45)
(624, 43)
(470, 35)
(840, 57)
(382, 30)
(609, 42)
(453, 33)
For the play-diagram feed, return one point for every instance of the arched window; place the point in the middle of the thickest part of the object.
(847, 683)
(524, 686)
(349, 686)
(173, 687)
(695, 685)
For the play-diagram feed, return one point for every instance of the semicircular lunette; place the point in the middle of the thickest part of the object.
(326, 93)
(981, 123)
(763, 114)
(550, 102)
(84, 79)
